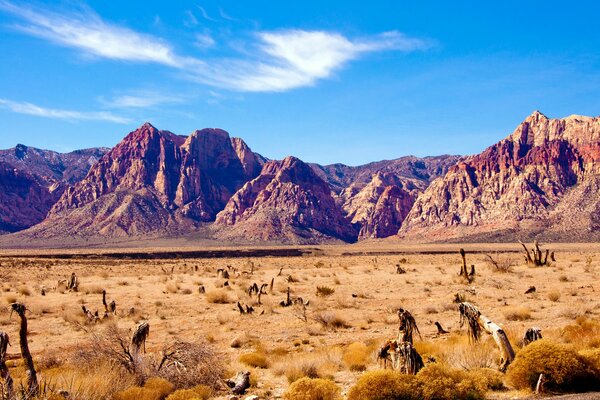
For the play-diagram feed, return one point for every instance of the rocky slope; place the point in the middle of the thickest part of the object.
(380, 206)
(359, 190)
(32, 180)
(536, 182)
(50, 165)
(24, 199)
(154, 181)
(419, 171)
(288, 202)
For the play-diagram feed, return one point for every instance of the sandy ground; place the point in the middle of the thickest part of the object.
(367, 293)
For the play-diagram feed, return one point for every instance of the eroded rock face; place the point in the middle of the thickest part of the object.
(287, 202)
(32, 180)
(380, 206)
(514, 184)
(24, 199)
(190, 177)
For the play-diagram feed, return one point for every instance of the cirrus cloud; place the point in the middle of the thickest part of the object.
(273, 61)
(70, 115)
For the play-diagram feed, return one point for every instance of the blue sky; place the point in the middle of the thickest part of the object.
(335, 81)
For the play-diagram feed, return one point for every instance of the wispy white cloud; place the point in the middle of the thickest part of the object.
(294, 58)
(190, 19)
(35, 110)
(224, 15)
(268, 61)
(205, 14)
(86, 31)
(204, 40)
(141, 99)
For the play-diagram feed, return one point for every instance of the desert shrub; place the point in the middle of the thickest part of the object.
(384, 385)
(356, 356)
(518, 314)
(330, 320)
(554, 295)
(313, 389)
(592, 358)
(218, 296)
(203, 392)
(325, 291)
(441, 382)
(196, 364)
(585, 332)
(494, 379)
(564, 370)
(189, 363)
(319, 364)
(159, 385)
(256, 359)
(184, 394)
(137, 393)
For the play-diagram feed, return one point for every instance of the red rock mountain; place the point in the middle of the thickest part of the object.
(541, 181)
(155, 180)
(288, 202)
(32, 180)
(380, 206)
(24, 199)
(51, 166)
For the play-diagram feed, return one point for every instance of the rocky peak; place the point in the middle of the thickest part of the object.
(521, 178)
(286, 202)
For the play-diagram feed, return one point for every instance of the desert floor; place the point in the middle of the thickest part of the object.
(367, 291)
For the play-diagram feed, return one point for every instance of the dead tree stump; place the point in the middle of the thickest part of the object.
(73, 283)
(407, 326)
(138, 340)
(476, 322)
(531, 335)
(536, 257)
(32, 382)
(240, 383)
(4, 372)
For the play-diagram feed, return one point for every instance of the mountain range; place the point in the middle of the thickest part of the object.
(541, 181)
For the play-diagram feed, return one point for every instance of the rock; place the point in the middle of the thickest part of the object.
(380, 206)
(287, 202)
(154, 181)
(538, 181)
(253, 397)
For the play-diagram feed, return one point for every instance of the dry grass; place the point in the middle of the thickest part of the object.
(218, 296)
(518, 314)
(361, 310)
(554, 295)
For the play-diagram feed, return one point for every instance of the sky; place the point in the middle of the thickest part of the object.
(336, 81)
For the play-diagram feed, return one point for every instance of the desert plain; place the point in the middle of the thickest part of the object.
(351, 295)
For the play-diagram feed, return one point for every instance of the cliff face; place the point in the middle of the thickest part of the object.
(380, 206)
(517, 183)
(32, 180)
(185, 177)
(287, 202)
(24, 199)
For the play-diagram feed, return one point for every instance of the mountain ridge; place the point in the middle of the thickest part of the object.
(539, 181)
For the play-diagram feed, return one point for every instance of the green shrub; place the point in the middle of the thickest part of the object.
(384, 385)
(313, 389)
(441, 382)
(563, 368)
